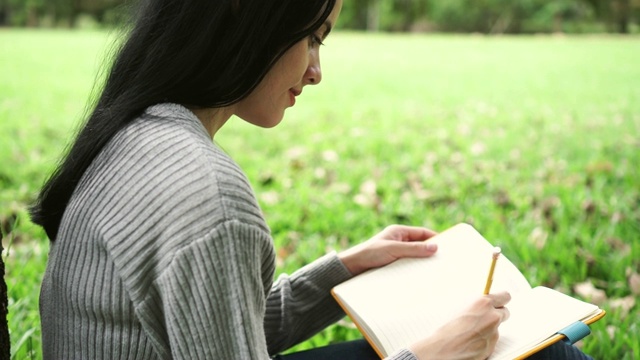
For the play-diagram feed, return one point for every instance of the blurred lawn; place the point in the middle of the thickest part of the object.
(533, 140)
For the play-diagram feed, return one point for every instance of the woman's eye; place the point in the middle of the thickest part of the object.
(314, 40)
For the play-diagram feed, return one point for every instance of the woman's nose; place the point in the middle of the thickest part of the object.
(313, 75)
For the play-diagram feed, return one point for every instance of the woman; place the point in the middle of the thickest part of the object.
(159, 249)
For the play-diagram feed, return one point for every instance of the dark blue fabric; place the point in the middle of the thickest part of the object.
(350, 350)
(560, 350)
(360, 350)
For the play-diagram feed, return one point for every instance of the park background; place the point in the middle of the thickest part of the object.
(519, 117)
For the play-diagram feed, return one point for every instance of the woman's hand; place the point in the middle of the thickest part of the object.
(472, 335)
(393, 243)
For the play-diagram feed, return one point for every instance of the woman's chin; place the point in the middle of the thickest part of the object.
(266, 122)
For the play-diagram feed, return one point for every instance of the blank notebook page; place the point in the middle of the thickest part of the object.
(407, 301)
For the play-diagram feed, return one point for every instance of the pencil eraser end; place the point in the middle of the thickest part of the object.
(496, 251)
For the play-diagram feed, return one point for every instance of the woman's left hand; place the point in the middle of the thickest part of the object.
(391, 244)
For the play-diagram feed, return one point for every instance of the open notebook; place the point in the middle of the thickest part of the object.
(408, 300)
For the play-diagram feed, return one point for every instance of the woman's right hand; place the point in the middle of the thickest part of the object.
(471, 335)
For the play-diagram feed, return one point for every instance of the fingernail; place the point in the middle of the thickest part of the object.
(431, 247)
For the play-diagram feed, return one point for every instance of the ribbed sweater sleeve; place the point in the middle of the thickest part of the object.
(300, 305)
(163, 253)
(214, 309)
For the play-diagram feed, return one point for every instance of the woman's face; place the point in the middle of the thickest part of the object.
(298, 67)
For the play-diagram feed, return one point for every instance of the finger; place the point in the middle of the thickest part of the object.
(410, 233)
(412, 249)
(504, 312)
(500, 299)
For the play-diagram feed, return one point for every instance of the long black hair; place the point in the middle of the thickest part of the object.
(201, 53)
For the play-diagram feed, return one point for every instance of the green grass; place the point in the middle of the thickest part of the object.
(534, 140)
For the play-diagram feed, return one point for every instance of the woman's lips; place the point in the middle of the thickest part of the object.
(292, 95)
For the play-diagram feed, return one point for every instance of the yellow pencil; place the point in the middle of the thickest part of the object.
(496, 254)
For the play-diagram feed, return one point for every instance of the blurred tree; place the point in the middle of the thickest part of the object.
(387, 15)
(485, 16)
(622, 12)
(21, 12)
(68, 10)
(552, 16)
(354, 14)
(407, 14)
(62, 12)
(617, 14)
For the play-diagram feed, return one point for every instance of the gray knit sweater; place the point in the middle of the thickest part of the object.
(163, 253)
